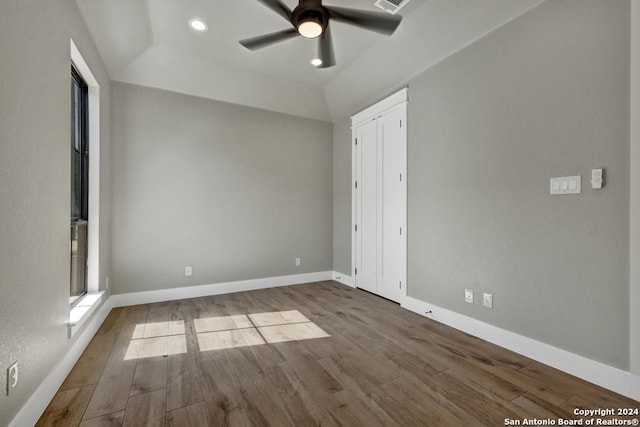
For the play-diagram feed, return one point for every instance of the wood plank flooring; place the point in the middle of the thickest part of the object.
(305, 355)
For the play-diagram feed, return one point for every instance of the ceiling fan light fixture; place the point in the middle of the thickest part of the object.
(311, 19)
(198, 25)
(310, 28)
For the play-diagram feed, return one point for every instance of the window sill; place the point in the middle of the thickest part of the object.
(82, 311)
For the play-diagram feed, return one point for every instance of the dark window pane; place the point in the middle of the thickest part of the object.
(79, 186)
(78, 117)
(76, 185)
(79, 158)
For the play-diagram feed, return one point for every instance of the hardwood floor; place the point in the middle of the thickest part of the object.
(305, 355)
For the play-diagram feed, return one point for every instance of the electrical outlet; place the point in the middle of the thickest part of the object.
(297, 262)
(12, 377)
(188, 271)
(468, 296)
(106, 284)
(487, 300)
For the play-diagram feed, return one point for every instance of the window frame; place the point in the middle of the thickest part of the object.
(84, 144)
(81, 117)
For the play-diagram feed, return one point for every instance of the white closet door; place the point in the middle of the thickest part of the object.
(391, 204)
(379, 199)
(367, 207)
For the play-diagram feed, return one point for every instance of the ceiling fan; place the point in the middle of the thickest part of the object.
(310, 19)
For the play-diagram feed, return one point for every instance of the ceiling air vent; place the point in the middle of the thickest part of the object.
(391, 6)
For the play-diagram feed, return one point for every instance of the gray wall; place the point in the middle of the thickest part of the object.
(35, 186)
(235, 192)
(634, 256)
(342, 196)
(545, 95)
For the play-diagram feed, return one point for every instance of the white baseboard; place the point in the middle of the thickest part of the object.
(161, 295)
(344, 279)
(32, 410)
(38, 402)
(614, 379)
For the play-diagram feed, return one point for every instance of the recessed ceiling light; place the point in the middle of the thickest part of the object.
(198, 25)
(316, 62)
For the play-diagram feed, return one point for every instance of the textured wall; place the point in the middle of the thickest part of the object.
(342, 197)
(35, 186)
(235, 192)
(546, 95)
(634, 297)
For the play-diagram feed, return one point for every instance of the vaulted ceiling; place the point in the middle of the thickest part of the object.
(148, 42)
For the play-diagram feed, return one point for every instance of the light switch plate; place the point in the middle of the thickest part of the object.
(597, 179)
(565, 185)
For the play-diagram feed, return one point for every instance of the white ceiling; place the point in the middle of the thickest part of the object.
(148, 42)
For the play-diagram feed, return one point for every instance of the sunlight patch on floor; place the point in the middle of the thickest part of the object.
(158, 329)
(161, 339)
(157, 339)
(211, 324)
(294, 332)
(278, 318)
(218, 333)
(233, 338)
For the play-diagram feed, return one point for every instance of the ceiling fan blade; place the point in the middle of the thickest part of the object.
(374, 21)
(278, 7)
(325, 50)
(263, 41)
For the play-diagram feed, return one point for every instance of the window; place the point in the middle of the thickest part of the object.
(79, 185)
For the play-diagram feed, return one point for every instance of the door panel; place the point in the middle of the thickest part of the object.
(366, 207)
(391, 231)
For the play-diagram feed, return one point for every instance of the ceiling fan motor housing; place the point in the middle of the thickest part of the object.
(310, 10)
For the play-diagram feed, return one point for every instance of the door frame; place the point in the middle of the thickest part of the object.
(391, 102)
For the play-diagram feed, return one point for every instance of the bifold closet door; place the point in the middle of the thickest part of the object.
(381, 204)
(391, 204)
(367, 206)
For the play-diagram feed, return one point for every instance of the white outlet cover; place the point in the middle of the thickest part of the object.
(188, 271)
(297, 262)
(12, 377)
(487, 300)
(468, 296)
